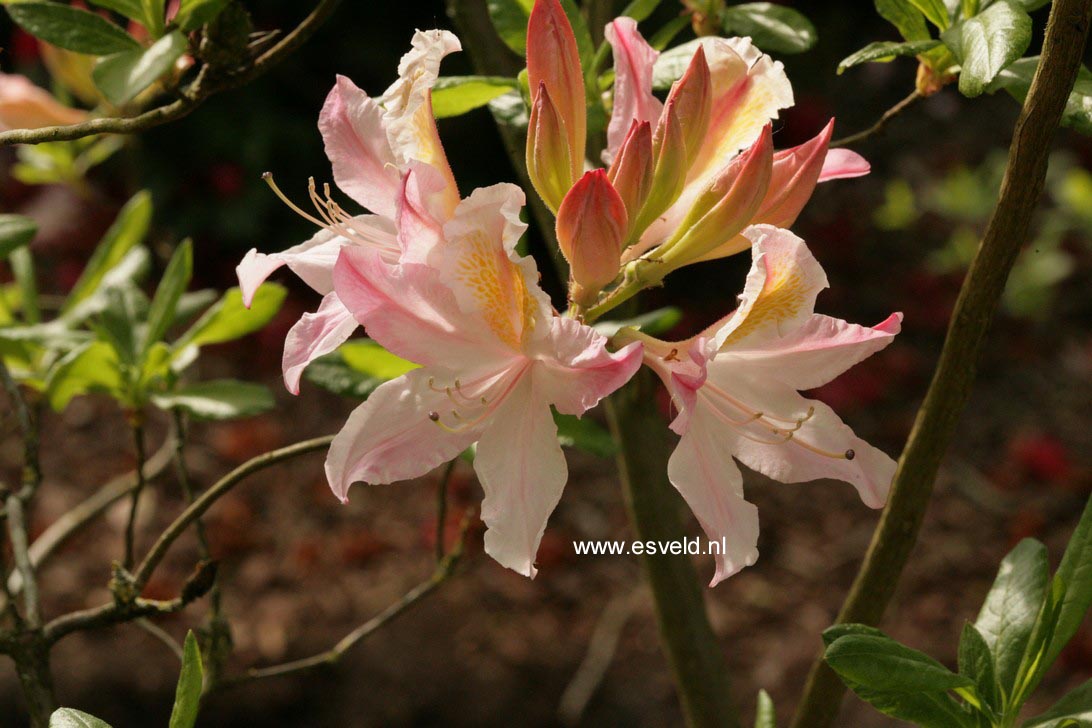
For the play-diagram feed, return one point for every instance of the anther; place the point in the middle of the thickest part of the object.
(434, 416)
(850, 454)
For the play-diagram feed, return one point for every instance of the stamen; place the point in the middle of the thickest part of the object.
(268, 178)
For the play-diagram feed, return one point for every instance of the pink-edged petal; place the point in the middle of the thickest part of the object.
(682, 368)
(575, 370)
(780, 292)
(420, 214)
(253, 270)
(522, 471)
(818, 449)
(702, 470)
(410, 312)
(391, 438)
(314, 335)
(815, 353)
(354, 131)
(844, 164)
(633, 97)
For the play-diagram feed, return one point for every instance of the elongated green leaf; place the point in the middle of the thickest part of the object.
(655, 322)
(976, 663)
(510, 21)
(132, 9)
(71, 28)
(187, 696)
(584, 434)
(122, 76)
(905, 17)
(72, 718)
(229, 319)
(1016, 79)
(1075, 706)
(128, 230)
(883, 665)
(934, 10)
(456, 95)
(773, 28)
(987, 43)
(192, 14)
(662, 38)
(834, 632)
(175, 280)
(640, 9)
(22, 265)
(222, 399)
(15, 232)
(131, 268)
(121, 321)
(368, 357)
(1008, 615)
(884, 51)
(91, 368)
(1075, 572)
(765, 714)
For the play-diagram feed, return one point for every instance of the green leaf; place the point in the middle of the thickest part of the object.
(356, 369)
(128, 230)
(132, 9)
(22, 266)
(976, 662)
(121, 320)
(72, 718)
(1016, 79)
(510, 21)
(175, 280)
(584, 434)
(1009, 613)
(834, 632)
(91, 368)
(71, 28)
(765, 715)
(672, 64)
(884, 51)
(187, 696)
(1075, 573)
(773, 28)
(1075, 706)
(883, 665)
(987, 43)
(654, 323)
(192, 14)
(122, 76)
(15, 232)
(221, 399)
(154, 16)
(934, 10)
(229, 319)
(456, 95)
(368, 357)
(662, 38)
(905, 17)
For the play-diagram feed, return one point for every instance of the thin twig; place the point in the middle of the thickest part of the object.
(160, 634)
(198, 92)
(879, 125)
(441, 508)
(442, 573)
(210, 496)
(134, 498)
(953, 380)
(28, 424)
(182, 472)
(17, 532)
(105, 615)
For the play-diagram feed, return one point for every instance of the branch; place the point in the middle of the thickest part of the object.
(17, 530)
(443, 571)
(879, 125)
(160, 634)
(952, 383)
(192, 97)
(28, 424)
(210, 496)
(134, 498)
(105, 615)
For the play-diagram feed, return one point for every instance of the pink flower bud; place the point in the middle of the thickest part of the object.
(691, 96)
(548, 154)
(591, 229)
(669, 149)
(631, 171)
(554, 61)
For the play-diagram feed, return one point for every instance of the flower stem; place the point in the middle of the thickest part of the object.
(950, 389)
(701, 677)
(134, 498)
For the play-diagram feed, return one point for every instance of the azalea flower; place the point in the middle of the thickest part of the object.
(387, 156)
(736, 388)
(494, 357)
(26, 106)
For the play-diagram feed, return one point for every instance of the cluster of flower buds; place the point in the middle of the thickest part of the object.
(685, 176)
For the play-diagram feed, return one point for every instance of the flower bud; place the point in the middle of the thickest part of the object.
(631, 171)
(691, 96)
(795, 173)
(725, 207)
(548, 161)
(591, 228)
(554, 61)
(669, 149)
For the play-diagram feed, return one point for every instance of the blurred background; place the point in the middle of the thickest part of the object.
(300, 570)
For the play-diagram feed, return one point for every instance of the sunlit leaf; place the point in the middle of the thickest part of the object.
(122, 76)
(15, 232)
(883, 51)
(987, 43)
(456, 95)
(71, 28)
(187, 697)
(773, 28)
(72, 718)
(222, 399)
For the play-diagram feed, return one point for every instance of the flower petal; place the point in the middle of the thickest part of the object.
(522, 471)
(575, 370)
(843, 164)
(24, 105)
(420, 212)
(354, 131)
(815, 353)
(633, 97)
(391, 438)
(702, 470)
(314, 335)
